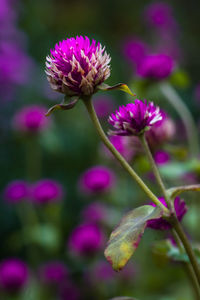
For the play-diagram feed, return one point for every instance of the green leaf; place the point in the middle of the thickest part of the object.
(120, 86)
(125, 239)
(62, 106)
(175, 191)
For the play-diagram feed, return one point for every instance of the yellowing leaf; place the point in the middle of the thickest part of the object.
(126, 237)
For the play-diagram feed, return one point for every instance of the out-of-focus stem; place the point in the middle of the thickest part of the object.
(192, 135)
(173, 220)
(188, 269)
(123, 162)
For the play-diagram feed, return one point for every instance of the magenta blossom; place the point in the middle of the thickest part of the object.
(94, 213)
(77, 66)
(86, 239)
(31, 119)
(161, 157)
(135, 50)
(160, 15)
(16, 191)
(69, 291)
(46, 191)
(97, 179)
(161, 224)
(161, 132)
(156, 67)
(134, 118)
(103, 106)
(53, 273)
(13, 274)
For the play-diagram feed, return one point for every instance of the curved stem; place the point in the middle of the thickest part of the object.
(185, 115)
(187, 247)
(189, 270)
(173, 220)
(123, 162)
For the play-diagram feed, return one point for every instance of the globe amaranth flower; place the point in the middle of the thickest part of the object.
(16, 191)
(97, 179)
(161, 157)
(30, 119)
(155, 67)
(46, 191)
(160, 15)
(77, 66)
(95, 212)
(161, 224)
(134, 118)
(13, 274)
(161, 132)
(134, 50)
(53, 273)
(86, 239)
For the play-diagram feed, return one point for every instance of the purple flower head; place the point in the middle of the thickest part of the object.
(123, 145)
(12, 59)
(13, 274)
(77, 66)
(134, 118)
(159, 15)
(161, 157)
(97, 179)
(16, 191)
(161, 224)
(53, 273)
(31, 119)
(94, 212)
(46, 191)
(86, 239)
(103, 106)
(161, 132)
(134, 50)
(156, 67)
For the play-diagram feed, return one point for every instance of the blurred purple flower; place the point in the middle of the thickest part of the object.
(12, 59)
(46, 191)
(161, 132)
(161, 157)
(94, 213)
(97, 179)
(53, 273)
(156, 67)
(123, 145)
(135, 49)
(86, 239)
(13, 274)
(161, 224)
(134, 118)
(103, 106)
(77, 66)
(30, 119)
(160, 15)
(16, 191)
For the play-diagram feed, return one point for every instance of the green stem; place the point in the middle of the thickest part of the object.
(173, 220)
(189, 270)
(154, 167)
(192, 135)
(187, 246)
(33, 158)
(123, 162)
